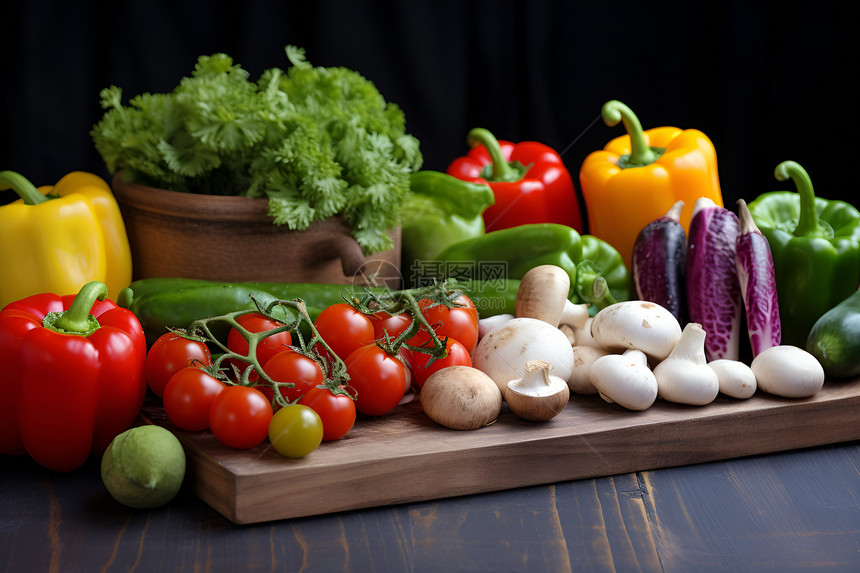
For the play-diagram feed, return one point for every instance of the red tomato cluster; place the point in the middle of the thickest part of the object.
(169, 354)
(459, 324)
(267, 348)
(379, 378)
(243, 416)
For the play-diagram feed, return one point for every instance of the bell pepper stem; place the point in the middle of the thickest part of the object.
(591, 287)
(77, 319)
(502, 170)
(22, 186)
(807, 224)
(641, 153)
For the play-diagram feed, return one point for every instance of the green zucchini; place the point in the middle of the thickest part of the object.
(835, 339)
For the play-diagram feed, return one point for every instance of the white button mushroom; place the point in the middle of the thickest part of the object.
(538, 396)
(736, 379)
(639, 325)
(625, 379)
(503, 353)
(684, 376)
(580, 377)
(788, 371)
(488, 324)
(543, 293)
(583, 337)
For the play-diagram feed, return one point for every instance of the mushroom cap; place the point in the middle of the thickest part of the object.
(639, 325)
(537, 408)
(788, 371)
(461, 398)
(537, 396)
(542, 294)
(735, 378)
(625, 379)
(504, 352)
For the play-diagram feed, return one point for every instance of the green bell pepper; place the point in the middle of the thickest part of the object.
(816, 251)
(162, 303)
(440, 211)
(510, 253)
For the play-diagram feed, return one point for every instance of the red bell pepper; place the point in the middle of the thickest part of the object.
(72, 375)
(530, 182)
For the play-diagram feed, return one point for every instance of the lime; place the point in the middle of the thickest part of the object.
(144, 467)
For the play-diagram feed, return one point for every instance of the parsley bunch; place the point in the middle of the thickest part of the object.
(315, 141)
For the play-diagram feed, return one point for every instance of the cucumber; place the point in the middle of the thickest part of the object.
(160, 303)
(835, 339)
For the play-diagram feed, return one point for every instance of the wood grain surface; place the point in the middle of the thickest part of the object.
(418, 460)
(794, 511)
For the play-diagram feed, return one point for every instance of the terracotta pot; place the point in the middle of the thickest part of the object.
(233, 239)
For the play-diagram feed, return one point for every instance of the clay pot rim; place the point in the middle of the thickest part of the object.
(222, 222)
(190, 205)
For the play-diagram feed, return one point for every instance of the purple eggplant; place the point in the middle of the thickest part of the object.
(757, 282)
(713, 290)
(659, 256)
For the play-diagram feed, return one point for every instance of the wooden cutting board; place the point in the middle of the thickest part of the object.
(405, 457)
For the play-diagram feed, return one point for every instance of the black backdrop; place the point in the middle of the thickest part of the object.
(767, 81)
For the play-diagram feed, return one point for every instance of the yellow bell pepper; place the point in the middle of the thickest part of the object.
(637, 177)
(57, 239)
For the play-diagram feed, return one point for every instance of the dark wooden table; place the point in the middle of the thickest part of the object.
(792, 511)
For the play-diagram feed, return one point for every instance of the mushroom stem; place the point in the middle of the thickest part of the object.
(574, 315)
(536, 375)
(537, 396)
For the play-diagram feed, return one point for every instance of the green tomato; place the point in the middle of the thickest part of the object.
(295, 431)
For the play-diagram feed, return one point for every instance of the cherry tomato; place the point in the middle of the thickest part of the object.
(459, 322)
(344, 328)
(169, 354)
(188, 397)
(457, 355)
(266, 348)
(295, 367)
(240, 416)
(379, 379)
(337, 411)
(393, 324)
(295, 431)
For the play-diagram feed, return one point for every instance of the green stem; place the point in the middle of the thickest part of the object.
(77, 319)
(641, 154)
(502, 170)
(591, 286)
(22, 186)
(334, 371)
(395, 302)
(807, 223)
(439, 349)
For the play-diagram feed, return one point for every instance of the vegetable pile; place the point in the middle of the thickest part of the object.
(315, 141)
(302, 383)
(508, 306)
